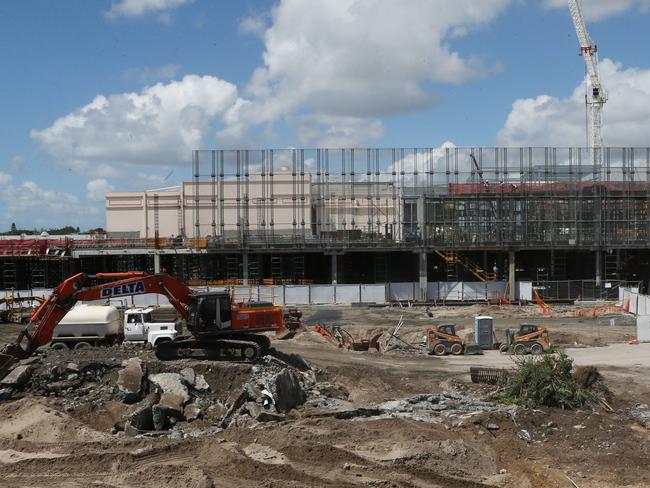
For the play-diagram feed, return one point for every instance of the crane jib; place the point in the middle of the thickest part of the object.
(120, 290)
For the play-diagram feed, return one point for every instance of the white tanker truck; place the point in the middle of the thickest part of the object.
(92, 325)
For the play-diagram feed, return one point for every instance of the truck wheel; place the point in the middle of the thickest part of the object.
(457, 349)
(536, 349)
(82, 345)
(58, 346)
(439, 350)
(520, 350)
(504, 349)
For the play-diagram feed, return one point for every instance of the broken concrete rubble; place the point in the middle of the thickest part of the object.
(425, 407)
(130, 381)
(192, 411)
(174, 392)
(142, 417)
(196, 381)
(287, 391)
(18, 376)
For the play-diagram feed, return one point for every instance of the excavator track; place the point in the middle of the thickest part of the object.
(231, 350)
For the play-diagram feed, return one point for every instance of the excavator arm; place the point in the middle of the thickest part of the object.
(41, 326)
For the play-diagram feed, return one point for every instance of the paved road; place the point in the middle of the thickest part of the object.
(620, 355)
(616, 355)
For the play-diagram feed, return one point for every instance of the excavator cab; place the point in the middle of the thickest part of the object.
(210, 313)
(215, 314)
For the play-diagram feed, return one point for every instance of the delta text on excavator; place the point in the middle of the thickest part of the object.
(220, 329)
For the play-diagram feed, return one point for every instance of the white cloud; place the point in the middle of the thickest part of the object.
(361, 59)
(159, 126)
(317, 130)
(551, 121)
(139, 8)
(415, 165)
(594, 10)
(149, 74)
(17, 198)
(254, 25)
(97, 189)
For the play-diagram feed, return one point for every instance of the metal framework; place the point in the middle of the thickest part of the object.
(440, 198)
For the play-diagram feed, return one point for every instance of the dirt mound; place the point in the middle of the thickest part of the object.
(35, 421)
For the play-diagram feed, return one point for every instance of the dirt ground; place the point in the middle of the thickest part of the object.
(43, 442)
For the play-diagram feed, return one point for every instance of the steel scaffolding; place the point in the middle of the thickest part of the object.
(443, 198)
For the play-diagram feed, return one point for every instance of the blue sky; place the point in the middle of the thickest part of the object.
(114, 94)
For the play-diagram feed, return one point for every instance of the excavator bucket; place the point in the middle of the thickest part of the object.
(285, 334)
(6, 362)
(9, 356)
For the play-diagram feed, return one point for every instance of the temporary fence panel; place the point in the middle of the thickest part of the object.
(401, 291)
(643, 328)
(274, 294)
(373, 293)
(496, 290)
(474, 291)
(246, 293)
(322, 294)
(433, 291)
(348, 294)
(451, 291)
(525, 290)
(296, 295)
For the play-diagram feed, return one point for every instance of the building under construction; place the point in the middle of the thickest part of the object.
(372, 216)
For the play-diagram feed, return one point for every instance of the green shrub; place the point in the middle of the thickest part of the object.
(546, 380)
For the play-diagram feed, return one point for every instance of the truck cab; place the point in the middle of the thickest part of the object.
(139, 326)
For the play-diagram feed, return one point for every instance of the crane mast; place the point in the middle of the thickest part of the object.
(597, 98)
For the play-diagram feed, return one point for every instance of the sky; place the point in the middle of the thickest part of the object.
(113, 95)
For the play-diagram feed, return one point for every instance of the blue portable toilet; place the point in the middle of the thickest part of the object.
(484, 331)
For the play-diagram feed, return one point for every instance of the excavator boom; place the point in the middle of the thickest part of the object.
(41, 326)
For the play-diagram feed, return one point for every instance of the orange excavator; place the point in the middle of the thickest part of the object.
(220, 329)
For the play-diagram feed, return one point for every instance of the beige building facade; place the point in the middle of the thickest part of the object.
(260, 206)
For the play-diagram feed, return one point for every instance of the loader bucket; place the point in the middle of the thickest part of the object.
(472, 350)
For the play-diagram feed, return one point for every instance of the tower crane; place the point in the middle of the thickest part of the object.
(598, 97)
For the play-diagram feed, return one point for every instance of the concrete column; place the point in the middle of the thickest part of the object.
(599, 273)
(180, 267)
(512, 296)
(551, 269)
(244, 266)
(423, 277)
(335, 269)
(420, 219)
(156, 263)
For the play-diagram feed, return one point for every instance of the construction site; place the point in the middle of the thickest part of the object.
(456, 317)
